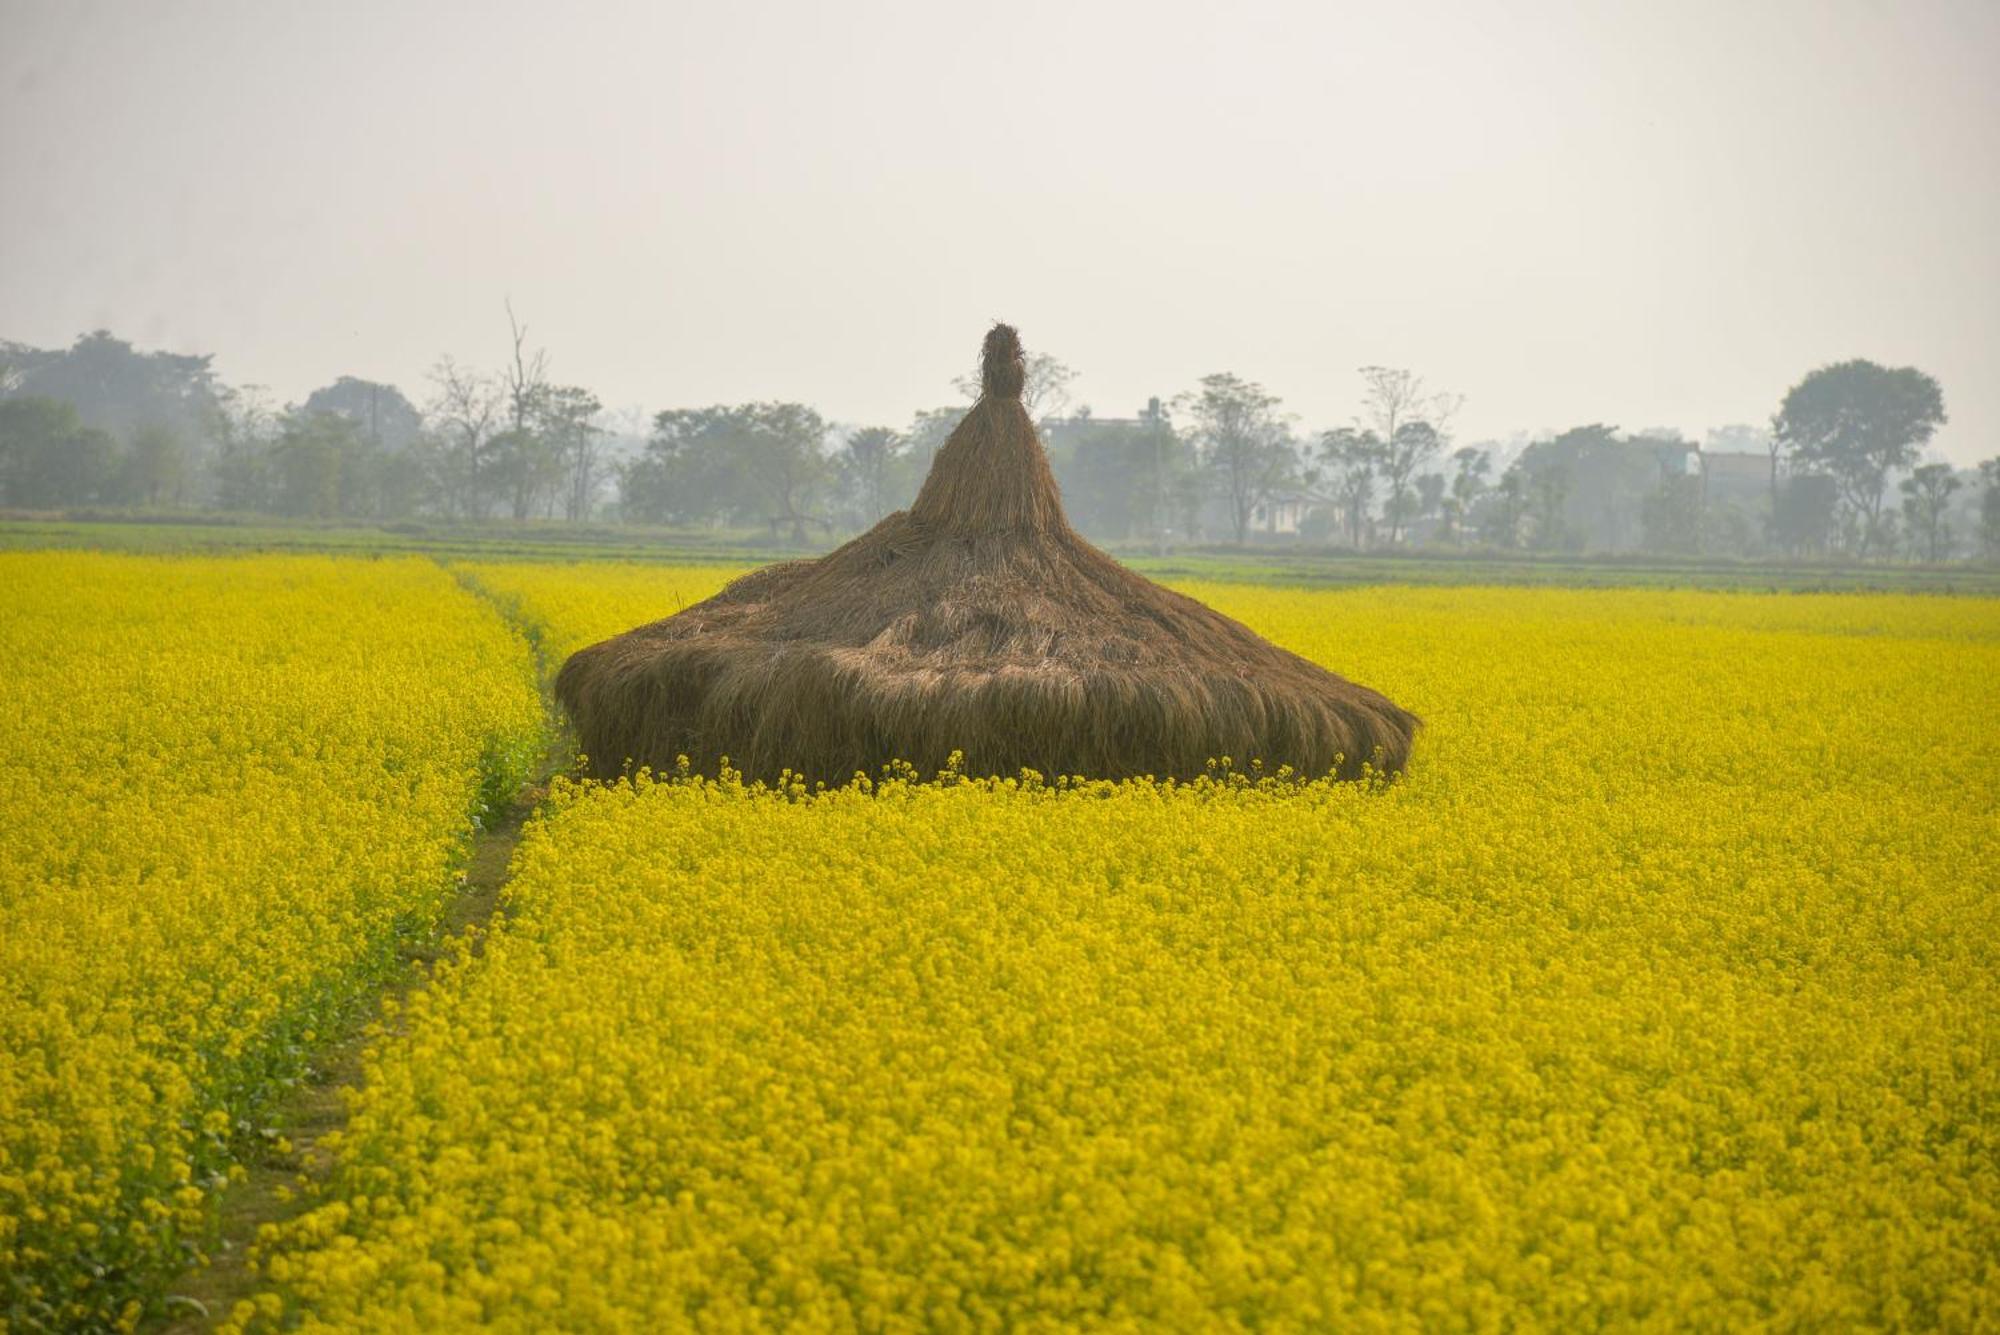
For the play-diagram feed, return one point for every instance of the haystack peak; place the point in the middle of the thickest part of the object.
(992, 474)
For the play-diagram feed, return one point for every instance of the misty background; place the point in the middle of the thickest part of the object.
(1616, 234)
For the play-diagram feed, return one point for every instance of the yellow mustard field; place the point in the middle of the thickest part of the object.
(565, 607)
(229, 788)
(1661, 991)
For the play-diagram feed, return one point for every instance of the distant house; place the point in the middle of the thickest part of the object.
(1282, 514)
(1279, 516)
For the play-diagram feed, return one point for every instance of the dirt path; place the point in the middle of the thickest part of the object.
(269, 1192)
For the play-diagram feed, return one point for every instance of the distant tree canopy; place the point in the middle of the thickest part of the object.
(49, 458)
(869, 468)
(116, 388)
(1856, 422)
(1122, 479)
(758, 463)
(1927, 509)
(1838, 472)
(1244, 444)
(384, 415)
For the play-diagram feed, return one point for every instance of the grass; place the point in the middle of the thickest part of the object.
(1294, 566)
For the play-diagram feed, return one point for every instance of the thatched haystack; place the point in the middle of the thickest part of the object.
(975, 621)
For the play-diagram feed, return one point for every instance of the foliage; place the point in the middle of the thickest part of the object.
(754, 462)
(1587, 488)
(1989, 509)
(49, 458)
(1857, 422)
(158, 431)
(1120, 478)
(1926, 502)
(1657, 992)
(386, 417)
(1468, 485)
(1804, 519)
(1244, 444)
(116, 388)
(231, 786)
(868, 467)
(1408, 422)
(1671, 517)
(1348, 461)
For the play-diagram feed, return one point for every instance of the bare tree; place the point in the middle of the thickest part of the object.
(526, 377)
(1246, 446)
(527, 456)
(1412, 423)
(464, 406)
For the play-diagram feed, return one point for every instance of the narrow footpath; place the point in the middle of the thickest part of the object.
(269, 1192)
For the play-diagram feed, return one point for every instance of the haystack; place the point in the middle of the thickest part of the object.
(976, 621)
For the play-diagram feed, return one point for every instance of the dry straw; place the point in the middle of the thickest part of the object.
(976, 621)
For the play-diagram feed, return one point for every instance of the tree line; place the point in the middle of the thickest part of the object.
(1837, 472)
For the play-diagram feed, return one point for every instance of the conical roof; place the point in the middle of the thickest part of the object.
(976, 621)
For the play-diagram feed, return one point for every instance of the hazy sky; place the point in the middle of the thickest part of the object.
(1648, 214)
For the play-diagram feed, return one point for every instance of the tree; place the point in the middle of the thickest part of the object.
(1430, 495)
(156, 466)
(1510, 495)
(1413, 445)
(242, 425)
(1603, 482)
(1350, 458)
(319, 465)
(1245, 446)
(1409, 420)
(784, 454)
(1857, 422)
(117, 388)
(867, 467)
(663, 484)
(1468, 484)
(1118, 477)
(49, 458)
(758, 461)
(1670, 517)
(526, 456)
(927, 433)
(464, 407)
(1926, 500)
(1989, 508)
(522, 467)
(386, 417)
(526, 379)
(1802, 522)
(568, 423)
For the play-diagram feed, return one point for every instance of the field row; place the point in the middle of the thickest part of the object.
(231, 789)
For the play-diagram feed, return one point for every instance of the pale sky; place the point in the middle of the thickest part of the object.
(1647, 214)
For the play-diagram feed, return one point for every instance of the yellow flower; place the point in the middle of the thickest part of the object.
(1656, 992)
